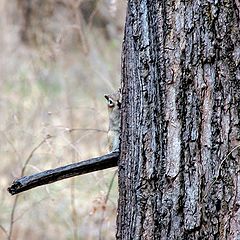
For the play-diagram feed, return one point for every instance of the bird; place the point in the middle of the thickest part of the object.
(114, 114)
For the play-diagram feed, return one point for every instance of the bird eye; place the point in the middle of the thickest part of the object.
(110, 103)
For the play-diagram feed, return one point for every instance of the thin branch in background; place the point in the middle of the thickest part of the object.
(76, 141)
(221, 164)
(85, 129)
(11, 144)
(219, 170)
(4, 230)
(110, 187)
(30, 208)
(31, 154)
(93, 109)
(105, 203)
(75, 4)
(12, 217)
(90, 21)
(12, 220)
(73, 151)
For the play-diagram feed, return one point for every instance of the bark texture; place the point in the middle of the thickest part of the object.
(179, 164)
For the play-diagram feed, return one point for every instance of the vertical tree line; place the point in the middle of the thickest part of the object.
(179, 163)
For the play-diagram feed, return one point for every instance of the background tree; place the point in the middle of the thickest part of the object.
(51, 86)
(179, 164)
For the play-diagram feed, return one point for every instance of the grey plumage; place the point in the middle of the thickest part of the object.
(114, 111)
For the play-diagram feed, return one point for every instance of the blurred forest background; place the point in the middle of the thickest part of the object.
(58, 58)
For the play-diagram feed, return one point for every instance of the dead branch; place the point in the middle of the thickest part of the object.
(94, 164)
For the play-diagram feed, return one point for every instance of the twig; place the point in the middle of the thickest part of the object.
(12, 218)
(21, 215)
(11, 144)
(3, 229)
(31, 154)
(220, 166)
(95, 9)
(85, 129)
(105, 203)
(73, 157)
(78, 18)
(71, 170)
(110, 187)
(219, 170)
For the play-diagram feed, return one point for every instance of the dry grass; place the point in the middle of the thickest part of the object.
(47, 89)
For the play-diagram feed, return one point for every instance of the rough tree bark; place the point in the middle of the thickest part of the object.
(179, 164)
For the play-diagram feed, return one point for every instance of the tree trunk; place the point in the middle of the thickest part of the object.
(179, 164)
